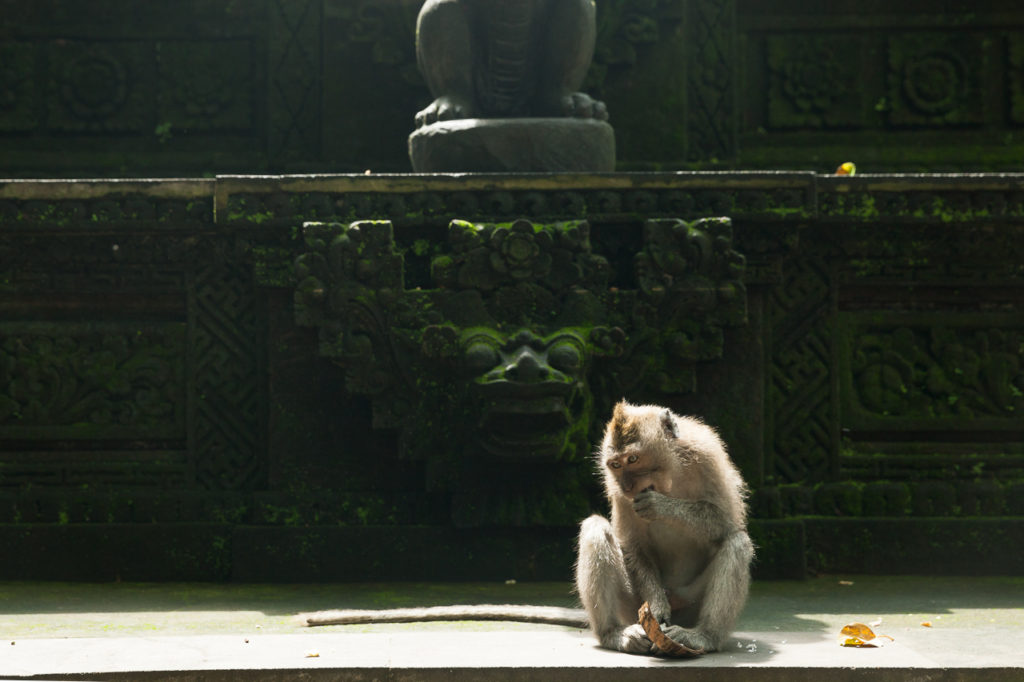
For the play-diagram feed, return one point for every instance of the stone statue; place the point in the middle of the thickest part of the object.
(505, 75)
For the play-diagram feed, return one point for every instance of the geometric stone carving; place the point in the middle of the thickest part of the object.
(934, 79)
(800, 387)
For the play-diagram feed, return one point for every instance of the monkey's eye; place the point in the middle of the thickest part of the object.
(632, 459)
(615, 465)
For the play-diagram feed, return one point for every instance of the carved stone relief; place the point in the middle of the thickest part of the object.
(505, 356)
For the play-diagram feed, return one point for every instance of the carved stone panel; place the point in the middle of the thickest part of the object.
(516, 341)
(713, 79)
(800, 385)
(294, 80)
(205, 85)
(127, 357)
(935, 78)
(932, 372)
(91, 381)
(813, 81)
(98, 87)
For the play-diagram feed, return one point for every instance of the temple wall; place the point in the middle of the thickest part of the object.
(163, 414)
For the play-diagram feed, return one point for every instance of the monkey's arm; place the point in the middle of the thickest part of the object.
(646, 581)
(705, 517)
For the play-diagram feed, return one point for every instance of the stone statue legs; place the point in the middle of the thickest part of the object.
(454, 36)
(568, 44)
(445, 53)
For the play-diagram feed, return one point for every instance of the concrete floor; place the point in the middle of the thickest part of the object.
(790, 630)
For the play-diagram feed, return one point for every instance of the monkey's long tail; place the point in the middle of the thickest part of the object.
(552, 615)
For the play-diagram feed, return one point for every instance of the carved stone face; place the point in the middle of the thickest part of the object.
(502, 358)
(530, 390)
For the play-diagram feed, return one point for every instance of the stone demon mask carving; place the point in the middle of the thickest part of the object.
(504, 357)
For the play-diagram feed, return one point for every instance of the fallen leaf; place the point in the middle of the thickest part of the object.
(858, 630)
(312, 654)
(857, 642)
(668, 646)
(845, 582)
(861, 636)
(926, 624)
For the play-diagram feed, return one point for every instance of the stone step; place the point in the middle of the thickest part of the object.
(449, 655)
(956, 629)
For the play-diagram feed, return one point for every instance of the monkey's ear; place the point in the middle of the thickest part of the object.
(668, 425)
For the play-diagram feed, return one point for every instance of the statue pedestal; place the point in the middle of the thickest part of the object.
(513, 145)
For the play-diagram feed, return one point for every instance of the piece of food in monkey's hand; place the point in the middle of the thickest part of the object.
(665, 644)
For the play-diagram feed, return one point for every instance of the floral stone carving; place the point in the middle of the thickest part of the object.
(518, 341)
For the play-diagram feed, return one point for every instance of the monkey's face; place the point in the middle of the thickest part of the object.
(635, 470)
(635, 450)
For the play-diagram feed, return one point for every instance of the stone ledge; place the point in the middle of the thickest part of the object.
(788, 631)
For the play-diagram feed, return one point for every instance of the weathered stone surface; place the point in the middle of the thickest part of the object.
(513, 146)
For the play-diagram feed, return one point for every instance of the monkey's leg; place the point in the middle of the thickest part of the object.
(445, 54)
(603, 586)
(728, 581)
(568, 46)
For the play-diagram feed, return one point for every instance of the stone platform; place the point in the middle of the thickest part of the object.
(789, 631)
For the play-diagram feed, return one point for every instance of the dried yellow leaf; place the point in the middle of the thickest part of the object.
(667, 646)
(926, 624)
(862, 636)
(857, 642)
(859, 630)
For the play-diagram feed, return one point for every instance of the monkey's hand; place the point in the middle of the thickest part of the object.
(701, 515)
(650, 505)
(660, 608)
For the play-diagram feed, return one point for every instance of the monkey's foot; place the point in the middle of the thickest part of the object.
(445, 108)
(631, 640)
(691, 639)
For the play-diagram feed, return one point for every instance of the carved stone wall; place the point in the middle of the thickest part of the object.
(882, 84)
(116, 89)
(131, 346)
(250, 377)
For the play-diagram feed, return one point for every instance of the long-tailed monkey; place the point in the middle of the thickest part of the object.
(677, 537)
(677, 540)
